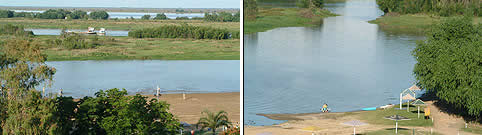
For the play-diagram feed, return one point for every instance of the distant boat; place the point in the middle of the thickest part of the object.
(91, 30)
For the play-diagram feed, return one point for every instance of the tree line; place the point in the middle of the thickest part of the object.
(182, 31)
(56, 14)
(449, 64)
(222, 17)
(439, 7)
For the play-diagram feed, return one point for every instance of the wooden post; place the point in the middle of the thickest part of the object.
(183, 96)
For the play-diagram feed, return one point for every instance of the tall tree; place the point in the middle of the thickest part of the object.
(449, 63)
(22, 67)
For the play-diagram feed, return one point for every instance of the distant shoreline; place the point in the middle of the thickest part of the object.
(127, 9)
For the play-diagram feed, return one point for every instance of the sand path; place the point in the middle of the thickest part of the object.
(445, 123)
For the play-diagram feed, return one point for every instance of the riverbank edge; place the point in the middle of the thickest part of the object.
(412, 24)
(272, 18)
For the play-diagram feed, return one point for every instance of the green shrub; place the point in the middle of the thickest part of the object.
(250, 9)
(76, 41)
(113, 112)
(53, 14)
(222, 17)
(9, 29)
(146, 17)
(440, 7)
(161, 17)
(182, 18)
(99, 15)
(181, 31)
(6, 14)
(78, 14)
(449, 63)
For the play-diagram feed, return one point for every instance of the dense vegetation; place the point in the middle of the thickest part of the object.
(146, 17)
(310, 4)
(56, 14)
(440, 7)
(99, 15)
(24, 110)
(161, 17)
(9, 29)
(214, 120)
(449, 63)
(6, 14)
(181, 31)
(76, 41)
(222, 17)
(250, 9)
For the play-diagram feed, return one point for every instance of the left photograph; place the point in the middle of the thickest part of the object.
(120, 67)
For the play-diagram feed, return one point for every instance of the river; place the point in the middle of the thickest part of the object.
(345, 62)
(84, 78)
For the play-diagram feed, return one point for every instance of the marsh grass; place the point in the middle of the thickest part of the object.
(416, 24)
(158, 49)
(270, 18)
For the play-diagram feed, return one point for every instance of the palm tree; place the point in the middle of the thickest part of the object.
(214, 121)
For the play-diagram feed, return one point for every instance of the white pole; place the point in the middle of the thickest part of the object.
(396, 127)
(400, 101)
(408, 107)
(418, 112)
(354, 131)
(183, 96)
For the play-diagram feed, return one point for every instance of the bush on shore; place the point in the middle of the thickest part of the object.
(439, 7)
(181, 31)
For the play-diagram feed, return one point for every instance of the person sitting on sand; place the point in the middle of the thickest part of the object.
(324, 108)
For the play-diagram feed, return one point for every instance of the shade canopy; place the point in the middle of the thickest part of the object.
(408, 97)
(414, 87)
(396, 117)
(354, 123)
(418, 102)
(312, 128)
(185, 124)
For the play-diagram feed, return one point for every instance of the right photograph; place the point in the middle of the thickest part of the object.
(369, 67)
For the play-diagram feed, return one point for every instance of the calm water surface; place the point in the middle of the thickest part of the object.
(344, 62)
(84, 78)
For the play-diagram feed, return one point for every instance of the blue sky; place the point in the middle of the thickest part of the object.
(126, 3)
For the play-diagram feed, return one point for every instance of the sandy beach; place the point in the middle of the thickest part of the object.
(189, 110)
(332, 123)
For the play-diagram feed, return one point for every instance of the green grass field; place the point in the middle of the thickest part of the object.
(377, 117)
(121, 24)
(123, 48)
(270, 18)
(410, 24)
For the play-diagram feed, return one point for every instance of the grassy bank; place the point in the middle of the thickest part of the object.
(410, 23)
(120, 24)
(270, 18)
(124, 48)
